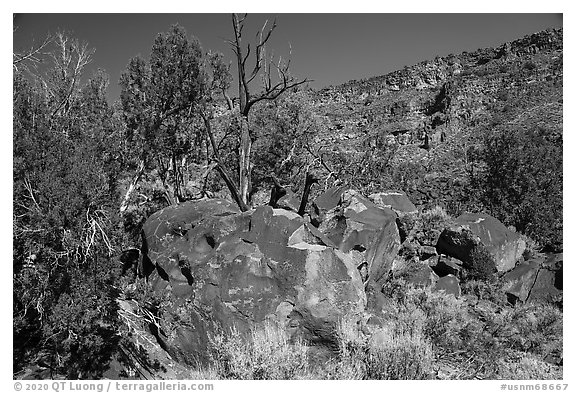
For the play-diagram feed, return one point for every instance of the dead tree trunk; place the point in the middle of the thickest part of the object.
(310, 180)
(132, 187)
(221, 169)
(244, 175)
(277, 192)
(264, 67)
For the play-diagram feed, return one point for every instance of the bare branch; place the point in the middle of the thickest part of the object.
(262, 67)
(240, 23)
(260, 48)
(33, 54)
(246, 56)
(276, 91)
(290, 155)
(70, 60)
(28, 187)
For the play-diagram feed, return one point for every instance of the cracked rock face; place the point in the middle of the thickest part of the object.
(224, 269)
(537, 279)
(395, 200)
(475, 230)
(360, 228)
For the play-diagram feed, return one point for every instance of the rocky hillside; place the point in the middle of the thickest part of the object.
(483, 300)
(369, 287)
(413, 231)
(430, 114)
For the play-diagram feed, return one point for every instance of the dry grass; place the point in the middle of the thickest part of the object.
(427, 335)
(266, 354)
(530, 367)
(435, 214)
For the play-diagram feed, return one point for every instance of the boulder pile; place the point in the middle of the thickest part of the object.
(223, 269)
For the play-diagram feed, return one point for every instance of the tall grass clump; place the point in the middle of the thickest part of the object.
(436, 214)
(388, 353)
(537, 328)
(265, 353)
(425, 335)
(430, 224)
(530, 367)
(459, 339)
(487, 339)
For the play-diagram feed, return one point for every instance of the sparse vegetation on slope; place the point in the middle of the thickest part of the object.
(428, 335)
(364, 286)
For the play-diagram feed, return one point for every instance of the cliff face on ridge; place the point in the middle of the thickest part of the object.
(434, 111)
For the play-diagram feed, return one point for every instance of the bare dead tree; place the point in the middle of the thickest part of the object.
(273, 86)
(220, 82)
(69, 59)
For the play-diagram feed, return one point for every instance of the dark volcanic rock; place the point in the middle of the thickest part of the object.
(225, 269)
(405, 225)
(427, 252)
(395, 200)
(520, 280)
(473, 232)
(421, 276)
(444, 265)
(328, 200)
(449, 284)
(357, 224)
(545, 288)
(539, 279)
(290, 201)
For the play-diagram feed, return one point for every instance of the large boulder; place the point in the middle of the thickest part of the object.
(449, 284)
(290, 201)
(359, 228)
(548, 285)
(539, 279)
(545, 288)
(223, 269)
(475, 234)
(326, 201)
(444, 265)
(395, 200)
(420, 275)
(519, 282)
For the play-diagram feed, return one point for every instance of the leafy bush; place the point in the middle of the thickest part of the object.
(82, 327)
(284, 138)
(407, 174)
(429, 224)
(434, 216)
(522, 181)
(482, 265)
(367, 172)
(67, 159)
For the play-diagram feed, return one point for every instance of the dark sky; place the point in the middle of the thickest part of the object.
(328, 48)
